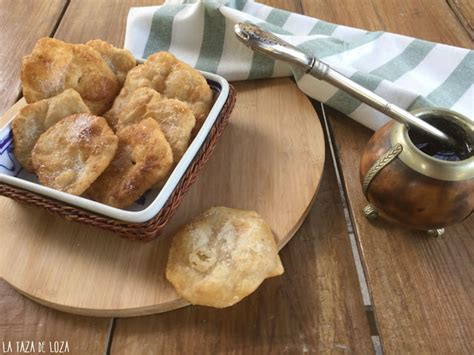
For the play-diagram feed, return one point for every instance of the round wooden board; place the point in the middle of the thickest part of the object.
(270, 159)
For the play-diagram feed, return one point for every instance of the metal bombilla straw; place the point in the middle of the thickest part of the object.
(270, 45)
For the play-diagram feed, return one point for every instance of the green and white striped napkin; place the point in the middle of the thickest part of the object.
(409, 72)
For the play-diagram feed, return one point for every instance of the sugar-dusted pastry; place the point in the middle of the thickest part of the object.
(174, 117)
(137, 99)
(173, 79)
(222, 256)
(55, 66)
(143, 158)
(118, 59)
(188, 85)
(36, 118)
(72, 154)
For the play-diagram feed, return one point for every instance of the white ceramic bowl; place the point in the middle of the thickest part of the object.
(150, 204)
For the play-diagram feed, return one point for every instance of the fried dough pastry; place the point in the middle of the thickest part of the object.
(188, 85)
(119, 60)
(36, 118)
(137, 99)
(72, 154)
(222, 256)
(55, 66)
(143, 158)
(173, 79)
(174, 117)
(177, 80)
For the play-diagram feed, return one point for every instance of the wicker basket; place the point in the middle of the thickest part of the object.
(136, 231)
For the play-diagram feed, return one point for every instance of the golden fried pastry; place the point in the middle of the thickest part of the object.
(119, 60)
(142, 159)
(222, 256)
(153, 73)
(55, 66)
(188, 85)
(174, 117)
(171, 78)
(72, 154)
(139, 77)
(183, 83)
(137, 99)
(36, 118)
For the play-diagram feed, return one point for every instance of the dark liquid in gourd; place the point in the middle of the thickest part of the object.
(440, 150)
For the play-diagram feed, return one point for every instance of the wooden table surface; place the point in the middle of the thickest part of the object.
(420, 290)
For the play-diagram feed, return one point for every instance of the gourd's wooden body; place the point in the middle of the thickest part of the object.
(400, 193)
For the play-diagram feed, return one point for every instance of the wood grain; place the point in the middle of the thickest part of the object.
(261, 160)
(17, 19)
(314, 307)
(82, 23)
(288, 5)
(72, 28)
(464, 10)
(24, 320)
(421, 288)
(20, 318)
(253, 182)
(431, 20)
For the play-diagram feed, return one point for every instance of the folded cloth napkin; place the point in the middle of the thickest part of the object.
(409, 72)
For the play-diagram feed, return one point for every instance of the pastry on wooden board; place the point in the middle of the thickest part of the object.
(222, 256)
(217, 259)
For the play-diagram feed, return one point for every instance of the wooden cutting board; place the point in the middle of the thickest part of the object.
(270, 159)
